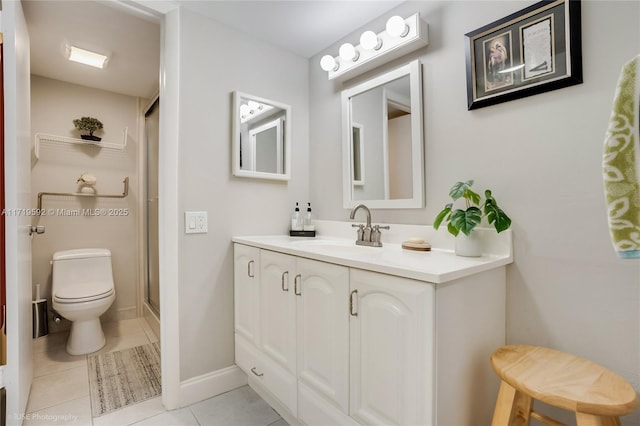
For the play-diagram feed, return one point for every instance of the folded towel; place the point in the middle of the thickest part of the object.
(87, 179)
(621, 164)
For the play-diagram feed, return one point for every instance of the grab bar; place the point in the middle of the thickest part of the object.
(125, 192)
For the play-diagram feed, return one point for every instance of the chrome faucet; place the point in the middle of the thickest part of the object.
(367, 236)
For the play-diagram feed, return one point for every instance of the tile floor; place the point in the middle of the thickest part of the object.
(60, 390)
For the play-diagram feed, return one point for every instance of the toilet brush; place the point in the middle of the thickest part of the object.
(39, 314)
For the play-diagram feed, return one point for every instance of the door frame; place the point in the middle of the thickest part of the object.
(168, 14)
(18, 372)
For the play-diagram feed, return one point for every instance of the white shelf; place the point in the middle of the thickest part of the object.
(42, 137)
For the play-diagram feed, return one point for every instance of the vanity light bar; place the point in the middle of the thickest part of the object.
(253, 109)
(395, 41)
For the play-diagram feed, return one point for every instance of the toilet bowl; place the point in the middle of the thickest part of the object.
(82, 290)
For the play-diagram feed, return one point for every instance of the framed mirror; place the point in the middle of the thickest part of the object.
(382, 141)
(261, 138)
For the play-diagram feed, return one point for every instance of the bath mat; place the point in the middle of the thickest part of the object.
(121, 378)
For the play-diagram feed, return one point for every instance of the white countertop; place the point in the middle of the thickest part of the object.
(435, 266)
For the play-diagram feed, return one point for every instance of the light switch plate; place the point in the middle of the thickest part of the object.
(195, 223)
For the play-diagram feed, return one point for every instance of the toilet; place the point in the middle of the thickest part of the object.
(82, 290)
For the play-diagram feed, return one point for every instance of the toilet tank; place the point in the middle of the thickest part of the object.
(81, 266)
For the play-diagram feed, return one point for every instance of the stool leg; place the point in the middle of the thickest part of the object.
(512, 407)
(583, 419)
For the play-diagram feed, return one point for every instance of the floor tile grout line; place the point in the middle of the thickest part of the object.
(48, 407)
(150, 338)
(138, 420)
(55, 405)
(51, 374)
(56, 372)
(89, 385)
(194, 415)
(46, 351)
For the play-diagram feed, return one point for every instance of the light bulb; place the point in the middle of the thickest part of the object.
(370, 41)
(348, 52)
(244, 111)
(396, 27)
(328, 63)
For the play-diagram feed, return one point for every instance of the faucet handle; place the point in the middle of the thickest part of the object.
(376, 234)
(360, 231)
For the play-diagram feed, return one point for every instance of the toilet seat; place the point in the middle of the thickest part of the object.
(84, 292)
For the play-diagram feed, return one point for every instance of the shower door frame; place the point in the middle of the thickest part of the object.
(145, 308)
(154, 305)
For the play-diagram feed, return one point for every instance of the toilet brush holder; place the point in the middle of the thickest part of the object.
(40, 318)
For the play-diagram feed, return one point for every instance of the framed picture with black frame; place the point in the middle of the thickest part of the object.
(535, 50)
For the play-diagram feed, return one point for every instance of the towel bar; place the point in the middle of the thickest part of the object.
(125, 192)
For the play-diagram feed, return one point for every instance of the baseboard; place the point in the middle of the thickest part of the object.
(209, 385)
(152, 320)
(120, 314)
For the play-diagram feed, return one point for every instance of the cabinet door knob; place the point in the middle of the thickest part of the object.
(253, 370)
(250, 268)
(296, 285)
(283, 281)
(351, 312)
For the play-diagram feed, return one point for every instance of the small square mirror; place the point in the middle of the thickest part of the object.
(261, 138)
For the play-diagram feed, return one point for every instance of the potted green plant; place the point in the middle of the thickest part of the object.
(466, 220)
(88, 124)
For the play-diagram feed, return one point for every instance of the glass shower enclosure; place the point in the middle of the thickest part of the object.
(152, 127)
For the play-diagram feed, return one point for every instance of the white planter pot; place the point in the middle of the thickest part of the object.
(468, 246)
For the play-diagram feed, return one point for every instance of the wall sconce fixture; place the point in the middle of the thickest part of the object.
(401, 36)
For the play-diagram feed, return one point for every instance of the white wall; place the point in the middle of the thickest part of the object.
(54, 105)
(542, 157)
(214, 61)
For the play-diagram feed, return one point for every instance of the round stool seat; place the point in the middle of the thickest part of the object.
(562, 380)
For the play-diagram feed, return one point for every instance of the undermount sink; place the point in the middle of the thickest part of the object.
(335, 247)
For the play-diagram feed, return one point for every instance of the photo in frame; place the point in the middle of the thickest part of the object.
(532, 51)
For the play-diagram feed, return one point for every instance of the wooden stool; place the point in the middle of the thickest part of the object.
(597, 395)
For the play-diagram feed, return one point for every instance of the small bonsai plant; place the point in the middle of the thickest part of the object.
(88, 124)
(466, 220)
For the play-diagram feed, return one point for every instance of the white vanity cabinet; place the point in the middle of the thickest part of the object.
(329, 343)
(247, 292)
(261, 324)
(391, 347)
(323, 341)
(277, 307)
(303, 328)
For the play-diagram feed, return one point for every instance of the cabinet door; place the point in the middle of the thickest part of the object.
(246, 285)
(391, 350)
(278, 309)
(323, 330)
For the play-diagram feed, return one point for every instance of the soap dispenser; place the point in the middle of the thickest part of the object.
(296, 222)
(308, 225)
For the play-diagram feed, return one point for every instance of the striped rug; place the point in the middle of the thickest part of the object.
(121, 378)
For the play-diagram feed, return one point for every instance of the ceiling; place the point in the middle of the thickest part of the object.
(301, 26)
(133, 45)
(133, 40)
